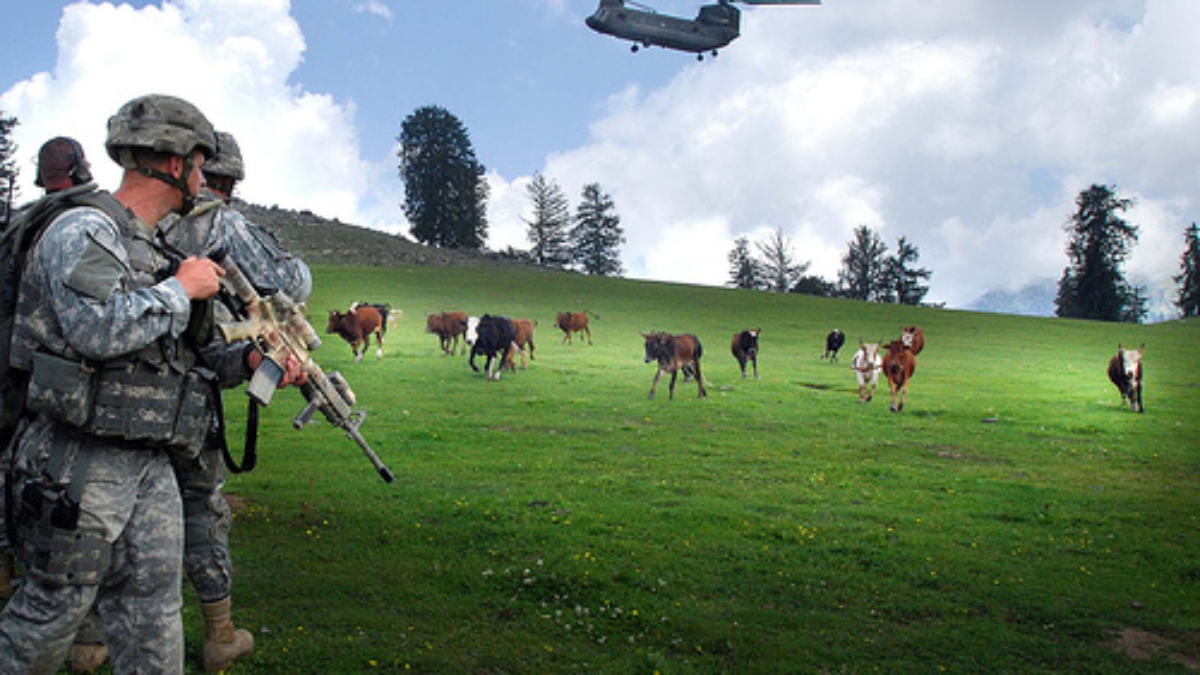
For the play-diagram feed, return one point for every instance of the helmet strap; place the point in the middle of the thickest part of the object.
(179, 183)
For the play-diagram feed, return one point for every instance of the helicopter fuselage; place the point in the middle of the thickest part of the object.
(716, 26)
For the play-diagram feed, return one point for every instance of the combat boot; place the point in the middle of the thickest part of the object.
(223, 644)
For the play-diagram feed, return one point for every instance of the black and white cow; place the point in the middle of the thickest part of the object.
(745, 349)
(833, 342)
(493, 335)
(1125, 371)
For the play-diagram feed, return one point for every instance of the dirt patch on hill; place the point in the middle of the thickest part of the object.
(1143, 645)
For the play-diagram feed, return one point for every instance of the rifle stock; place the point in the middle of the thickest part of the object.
(278, 326)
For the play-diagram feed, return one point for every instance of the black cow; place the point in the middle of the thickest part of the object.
(745, 348)
(494, 334)
(833, 342)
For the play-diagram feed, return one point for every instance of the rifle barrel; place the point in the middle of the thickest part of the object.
(384, 472)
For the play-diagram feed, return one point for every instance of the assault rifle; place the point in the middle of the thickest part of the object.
(277, 324)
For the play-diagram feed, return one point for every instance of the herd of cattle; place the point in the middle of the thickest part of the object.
(500, 340)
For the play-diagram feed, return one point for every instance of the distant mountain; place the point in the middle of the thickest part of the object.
(1036, 299)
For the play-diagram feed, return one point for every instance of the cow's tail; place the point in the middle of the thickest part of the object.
(592, 314)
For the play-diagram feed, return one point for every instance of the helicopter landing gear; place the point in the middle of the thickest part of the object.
(634, 49)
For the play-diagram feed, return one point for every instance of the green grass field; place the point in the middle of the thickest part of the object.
(1014, 518)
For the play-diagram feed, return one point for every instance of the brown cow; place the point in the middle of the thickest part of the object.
(1125, 371)
(914, 338)
(522, 339)
(899, 364)
(674, 353)
(449, 327)
(575, 322)
(745, 348)
(357, 326)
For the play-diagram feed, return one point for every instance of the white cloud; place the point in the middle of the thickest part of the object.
(376, 8)
(968, 127)
(232, 58)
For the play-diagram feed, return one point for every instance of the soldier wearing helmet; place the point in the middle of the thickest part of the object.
(116, 386)
(213, 225)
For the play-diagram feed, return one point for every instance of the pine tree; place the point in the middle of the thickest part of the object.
(1188, 300)
(1092, 285)
(904, 282)
(8, 167)
(597, 234)
(548, 228)
(780, 269)
(745, 271)
(864, 267)
(445, 189)
(815, 285)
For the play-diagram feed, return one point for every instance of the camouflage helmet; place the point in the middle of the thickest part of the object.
(160, 123)
(228, 160)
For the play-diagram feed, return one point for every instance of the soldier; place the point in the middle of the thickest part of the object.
(207, 516)
(119, 379)
(61, 166)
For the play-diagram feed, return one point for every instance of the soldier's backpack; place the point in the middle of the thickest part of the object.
(17, 239)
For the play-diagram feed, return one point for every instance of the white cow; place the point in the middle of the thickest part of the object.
(866, 366)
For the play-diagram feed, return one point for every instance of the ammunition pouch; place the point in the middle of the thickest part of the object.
(51, 548)
(132, 400)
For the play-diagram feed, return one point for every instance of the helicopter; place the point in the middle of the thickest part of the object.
(714, 27)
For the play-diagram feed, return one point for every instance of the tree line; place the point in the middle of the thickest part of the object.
(868, 272)
(446, 195)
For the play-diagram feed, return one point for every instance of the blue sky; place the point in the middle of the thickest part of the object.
(967, 126)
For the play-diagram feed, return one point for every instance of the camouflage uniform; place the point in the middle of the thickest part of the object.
(207, 516)
(114, 388)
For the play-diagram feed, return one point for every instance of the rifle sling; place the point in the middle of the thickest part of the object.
(250, 454)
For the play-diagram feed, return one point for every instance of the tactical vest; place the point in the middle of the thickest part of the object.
(158, 396)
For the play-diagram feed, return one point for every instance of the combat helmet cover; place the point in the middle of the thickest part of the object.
(161, 123)
(228, 160)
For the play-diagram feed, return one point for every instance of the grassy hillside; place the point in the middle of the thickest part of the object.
(1013, 519)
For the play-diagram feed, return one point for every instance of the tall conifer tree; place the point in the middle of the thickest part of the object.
(445, 189)
(1188, 300)
(1093, 286)
(548, 228)
(597, 235)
